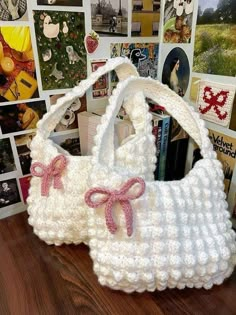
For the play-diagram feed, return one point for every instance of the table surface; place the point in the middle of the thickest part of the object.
(39, 279)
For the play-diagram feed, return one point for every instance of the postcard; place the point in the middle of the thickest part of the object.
(22, 116)
(60, 42)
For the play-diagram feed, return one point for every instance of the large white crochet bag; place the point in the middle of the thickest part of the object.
(56, 206)
(147, 235)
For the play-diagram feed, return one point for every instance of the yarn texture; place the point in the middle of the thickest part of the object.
(56, 207)
(182, 235)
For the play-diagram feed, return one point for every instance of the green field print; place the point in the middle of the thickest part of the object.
(215, 38)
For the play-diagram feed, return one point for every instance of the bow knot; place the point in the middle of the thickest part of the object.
(50, 172)
(214, 101)
(123, 196)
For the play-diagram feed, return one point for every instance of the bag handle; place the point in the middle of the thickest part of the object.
(160, 93)
(124, 69)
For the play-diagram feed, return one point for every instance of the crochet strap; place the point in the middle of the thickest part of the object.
(123, 68)
(161, 94)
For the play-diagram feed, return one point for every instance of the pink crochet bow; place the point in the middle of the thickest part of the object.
(122, 196)
(48, 173)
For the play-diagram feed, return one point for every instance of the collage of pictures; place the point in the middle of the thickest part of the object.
(51, 45)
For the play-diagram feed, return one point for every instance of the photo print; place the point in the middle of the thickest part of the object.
(145, 18)
(23, 149)
(22, 116)
(12, 10)
(7, 163)
(60, 42)
(176, 71)
(101, 88)
(9, 193)
(25, 185)
(69, 121)
(17, 77)
(143, 55)
(69, 143)
(215, 45)
(68, 3)
(110, 17)
(178, 16)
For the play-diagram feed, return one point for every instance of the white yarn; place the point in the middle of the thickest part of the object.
(182, 233)
(62, 216)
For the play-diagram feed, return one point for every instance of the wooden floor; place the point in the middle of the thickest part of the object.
(39, 279)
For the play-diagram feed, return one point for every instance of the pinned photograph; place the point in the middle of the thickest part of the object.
(18, 76)
(143, 55)
(22, 116)
(62, 54)
(70, 143)
(68, 3)
(23, 149)
(25, 184)
(12, 10)
(101, 88)
(7, 163)
(9, 193)
(69, 120)
(145, 18)
(215, 45)
(176, 71)
(110, 17)
(178, 18)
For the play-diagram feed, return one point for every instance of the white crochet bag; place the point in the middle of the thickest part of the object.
(147, 235)
(56, 206)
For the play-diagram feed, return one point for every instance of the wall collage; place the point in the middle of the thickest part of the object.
(49, 46)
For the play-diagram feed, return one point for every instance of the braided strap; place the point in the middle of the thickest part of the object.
(161, 94)
(124, 69)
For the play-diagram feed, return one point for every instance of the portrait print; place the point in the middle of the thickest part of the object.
(176, 71)
(23, 149)
(7, 163)
(9, 193)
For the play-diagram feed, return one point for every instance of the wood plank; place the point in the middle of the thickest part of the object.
(39, 279)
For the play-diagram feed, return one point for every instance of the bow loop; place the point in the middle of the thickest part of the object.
(48, 173)
(123, 196)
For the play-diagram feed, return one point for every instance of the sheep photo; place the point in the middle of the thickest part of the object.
(61, 2)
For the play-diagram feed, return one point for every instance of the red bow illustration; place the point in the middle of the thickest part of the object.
(48, 173)
(215, 101)
(121, 196)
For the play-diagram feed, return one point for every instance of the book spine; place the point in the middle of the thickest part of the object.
(164, 147)
(157, 132)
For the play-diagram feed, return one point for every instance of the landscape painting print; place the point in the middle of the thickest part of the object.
(215, 39)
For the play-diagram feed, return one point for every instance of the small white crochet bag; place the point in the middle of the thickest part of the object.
(56, 206)
(147, 235)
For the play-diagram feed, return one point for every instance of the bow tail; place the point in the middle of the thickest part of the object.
(218, 113)
(57, 183)
(109, 218)
(126, 206)
(45, 184)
